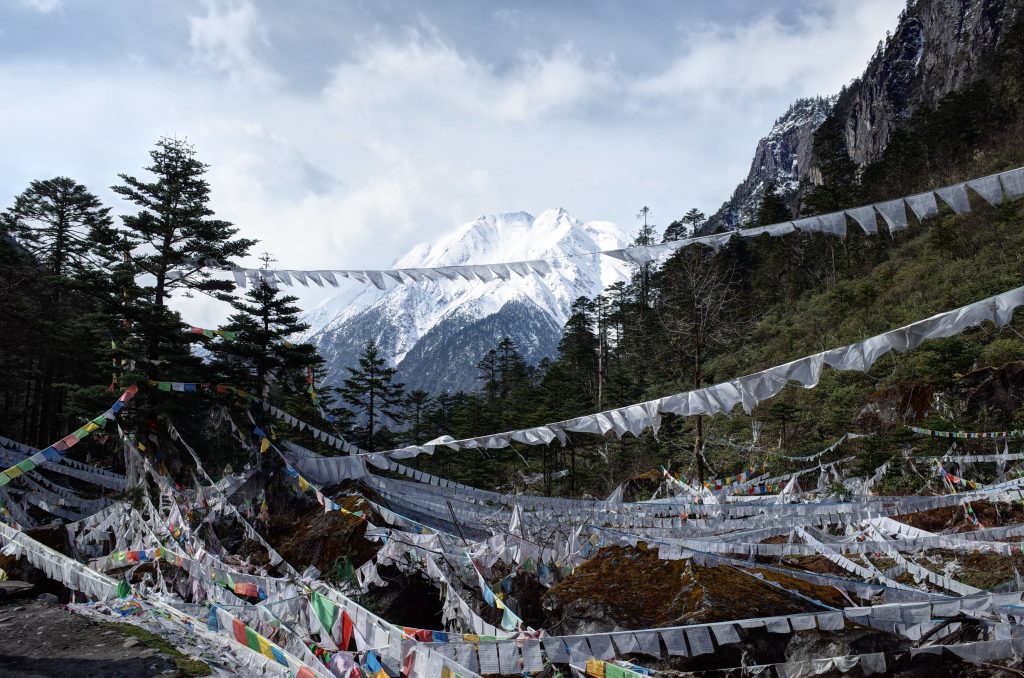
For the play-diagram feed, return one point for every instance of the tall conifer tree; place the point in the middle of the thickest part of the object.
(374, 396)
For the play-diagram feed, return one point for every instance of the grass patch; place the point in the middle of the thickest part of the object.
(185, 664)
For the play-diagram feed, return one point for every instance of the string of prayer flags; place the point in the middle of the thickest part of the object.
(294, 422)
(305, 485)
(992, 189)
(746, 391)
(966, 435)
(257, 643)
(374, 667)
(56, 451)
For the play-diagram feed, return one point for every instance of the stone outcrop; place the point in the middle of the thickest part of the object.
(778, 158)
(938, 47)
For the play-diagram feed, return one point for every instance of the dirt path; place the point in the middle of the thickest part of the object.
(42, 639)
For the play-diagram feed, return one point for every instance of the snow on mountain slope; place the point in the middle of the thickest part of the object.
(436, 332)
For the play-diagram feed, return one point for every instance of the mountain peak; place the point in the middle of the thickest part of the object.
(433, 325)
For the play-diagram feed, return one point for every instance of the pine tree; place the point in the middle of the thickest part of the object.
(66, 238)
(64, 226)
(174, 223)
(417, 406)
(488, 366)
(578, 354)
(685, 227)
(173, 238)
(374, 396)
(772, 209)
(839, 185)
(259, 354)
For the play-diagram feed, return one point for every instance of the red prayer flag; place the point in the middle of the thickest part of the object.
(239, 628)
(346, 629)
(409, 663)
(246, 589)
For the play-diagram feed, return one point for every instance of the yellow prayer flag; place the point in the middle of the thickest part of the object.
(264, 445)
(265, 647)
(595, 667)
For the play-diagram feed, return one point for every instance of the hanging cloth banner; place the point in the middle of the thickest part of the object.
(73, 470)
(56, 451)
(965, 435)
(748, 390)
(993, 188)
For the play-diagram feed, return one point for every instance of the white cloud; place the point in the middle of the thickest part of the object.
(227, 39)
(823, 51)
(426, 73)
(41, 6)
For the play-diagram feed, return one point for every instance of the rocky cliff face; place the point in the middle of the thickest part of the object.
(938, 47)
(780, 157)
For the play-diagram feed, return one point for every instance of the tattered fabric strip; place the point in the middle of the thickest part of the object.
(992, 188)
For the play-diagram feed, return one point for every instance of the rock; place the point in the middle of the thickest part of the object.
(15, 589)
(624, 588)
(938, 47)
(778, 157)
(894, 406)
(132, 642)
(806, 645)
(990, 388)
(48, 598)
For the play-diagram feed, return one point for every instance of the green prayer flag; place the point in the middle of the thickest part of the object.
(123, 589)
(252, 640)
(26, 465)
(164, 385)
(345, 571)
(326, 610)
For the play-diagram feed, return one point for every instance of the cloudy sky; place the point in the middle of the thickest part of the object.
(341, 133)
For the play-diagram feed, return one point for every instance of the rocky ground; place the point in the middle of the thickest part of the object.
(40, 638)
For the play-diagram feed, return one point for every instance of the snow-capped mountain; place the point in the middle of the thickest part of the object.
(436, 332)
